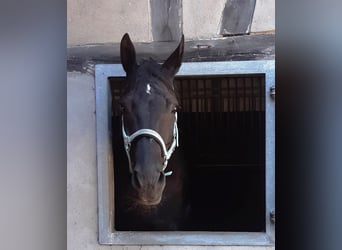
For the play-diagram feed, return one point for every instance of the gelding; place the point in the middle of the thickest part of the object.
(150, 175)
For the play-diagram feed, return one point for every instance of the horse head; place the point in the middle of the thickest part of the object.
(149, 119)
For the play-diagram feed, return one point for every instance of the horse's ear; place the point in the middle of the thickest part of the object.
(127, 54)
(173, 63)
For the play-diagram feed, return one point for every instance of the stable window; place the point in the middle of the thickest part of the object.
(227, 132)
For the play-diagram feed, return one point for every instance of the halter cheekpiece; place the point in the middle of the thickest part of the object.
(128, 139)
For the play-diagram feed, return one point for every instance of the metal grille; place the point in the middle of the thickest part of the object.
(222, 132)
(222, 135)
(223, 119)
(116, 87)
(221, 94)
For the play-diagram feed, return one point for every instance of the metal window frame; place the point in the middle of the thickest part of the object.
(106, 233)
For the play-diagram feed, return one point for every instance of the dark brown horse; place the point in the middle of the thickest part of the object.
(150, 193)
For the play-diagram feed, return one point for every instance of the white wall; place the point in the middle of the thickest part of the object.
(264, 16)
(103, 21)
(201, 18)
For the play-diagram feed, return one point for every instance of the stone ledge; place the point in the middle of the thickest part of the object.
(234, 48)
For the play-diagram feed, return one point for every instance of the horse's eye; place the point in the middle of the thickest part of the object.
(176, 109)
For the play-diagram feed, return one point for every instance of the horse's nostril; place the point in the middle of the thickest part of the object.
(161, 177)
(135, 180)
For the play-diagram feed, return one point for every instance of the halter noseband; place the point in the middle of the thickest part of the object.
(156, 136)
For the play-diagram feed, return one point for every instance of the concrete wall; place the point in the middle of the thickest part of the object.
(201, 18)
(82, 177)
(104, 21)
(264, 16)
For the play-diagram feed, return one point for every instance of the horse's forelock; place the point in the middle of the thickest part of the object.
(150, 72)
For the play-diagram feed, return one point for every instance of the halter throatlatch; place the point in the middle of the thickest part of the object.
(128, 139)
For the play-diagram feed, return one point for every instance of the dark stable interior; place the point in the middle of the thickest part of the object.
(222, 135)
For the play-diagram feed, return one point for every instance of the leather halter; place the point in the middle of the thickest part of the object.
(128, 139)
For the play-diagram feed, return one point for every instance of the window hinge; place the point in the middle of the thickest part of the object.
(272, 91)
(272, 216)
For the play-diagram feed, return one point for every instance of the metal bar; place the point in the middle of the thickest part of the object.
(212, 112)
(219, 82)
(228, 110)
(244, 104)
(236, 96)
(223, 97)
(190, 238)
(189, 95)
(197, 97)
(205, 98)
(236, 111)
(253, 102)
(197, 119)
